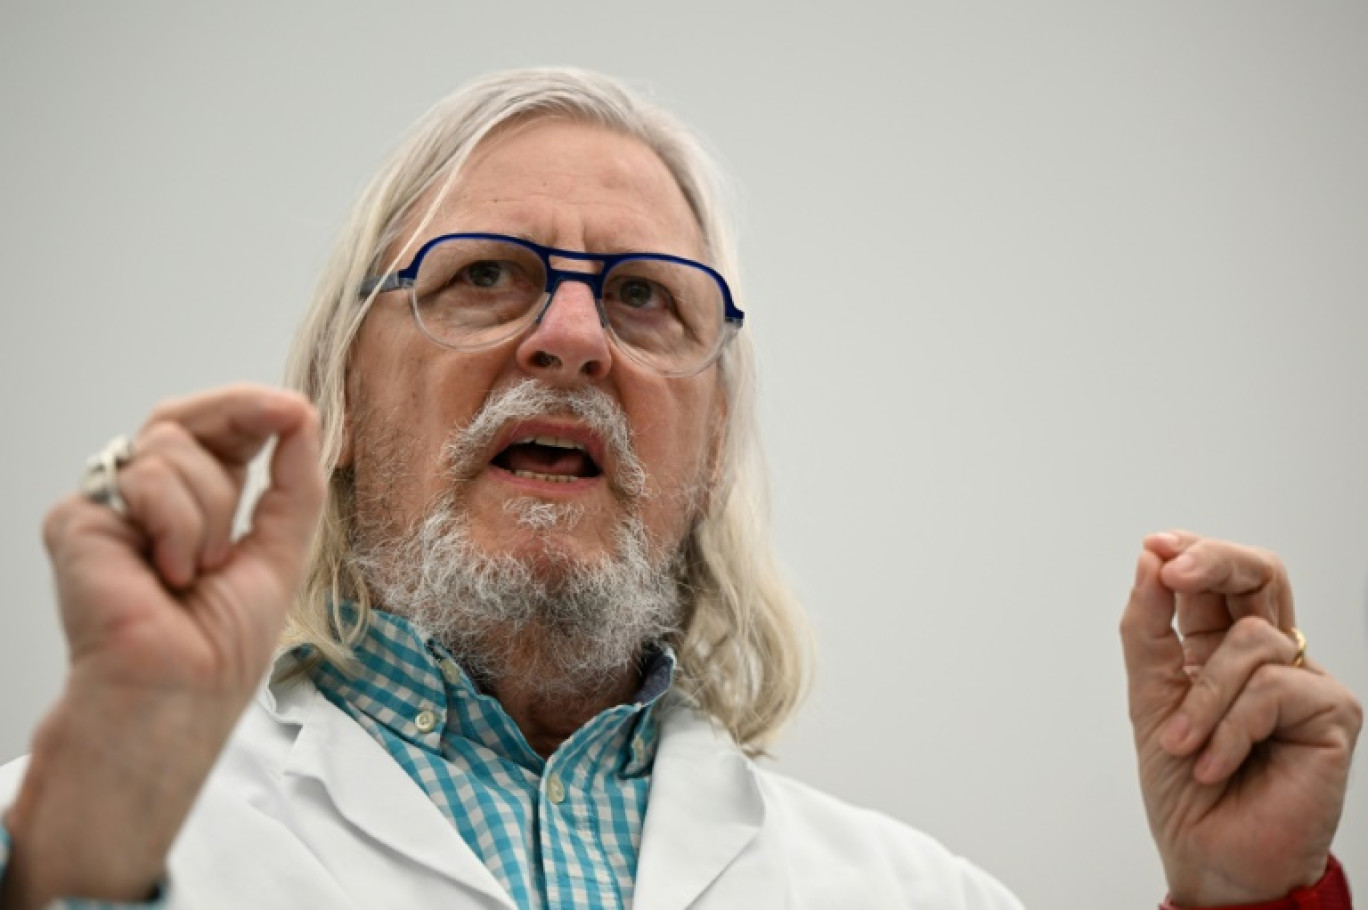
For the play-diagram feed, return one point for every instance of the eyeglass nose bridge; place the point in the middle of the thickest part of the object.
(593, 280)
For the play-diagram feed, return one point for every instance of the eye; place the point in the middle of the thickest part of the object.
(487, 273)
(640, 294)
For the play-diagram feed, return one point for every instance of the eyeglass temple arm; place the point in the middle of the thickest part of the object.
(379, 284)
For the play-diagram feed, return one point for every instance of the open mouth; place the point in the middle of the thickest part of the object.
(549, 458)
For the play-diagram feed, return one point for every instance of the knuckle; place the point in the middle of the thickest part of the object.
(1271, 561)
(143, 481)
(1206, 689)
(1231, 737)
(161, 433)
(1264, 681)
(1248, 632)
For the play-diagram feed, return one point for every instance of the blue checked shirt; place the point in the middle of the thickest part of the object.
(557, 832)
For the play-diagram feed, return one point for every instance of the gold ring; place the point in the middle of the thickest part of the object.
(1300, 639)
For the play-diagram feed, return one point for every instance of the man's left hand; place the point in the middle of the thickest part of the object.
(1244, 758)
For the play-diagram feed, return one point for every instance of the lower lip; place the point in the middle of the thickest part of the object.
(546, 487)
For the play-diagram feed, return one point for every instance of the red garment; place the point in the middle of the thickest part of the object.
(1330, 893)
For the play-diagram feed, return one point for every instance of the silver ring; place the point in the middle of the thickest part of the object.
(100, 479)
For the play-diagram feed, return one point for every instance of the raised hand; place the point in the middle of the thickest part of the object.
(163, 599)
(171, 625)
(1244, 757)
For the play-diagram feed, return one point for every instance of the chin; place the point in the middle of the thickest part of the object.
(548, 552)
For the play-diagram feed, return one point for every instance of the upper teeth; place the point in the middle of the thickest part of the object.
(557, 442)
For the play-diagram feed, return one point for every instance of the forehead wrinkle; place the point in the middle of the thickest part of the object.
(628, 230)
(621, 205)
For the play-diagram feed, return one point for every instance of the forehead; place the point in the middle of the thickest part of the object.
(570, 184)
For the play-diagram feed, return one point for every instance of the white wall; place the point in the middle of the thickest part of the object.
(1028, 282)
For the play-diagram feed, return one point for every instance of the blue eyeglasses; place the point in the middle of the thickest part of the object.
(473, 291)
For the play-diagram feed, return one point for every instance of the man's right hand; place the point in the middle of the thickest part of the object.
(171, 625)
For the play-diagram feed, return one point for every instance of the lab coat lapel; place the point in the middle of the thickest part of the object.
(705, 808)
(372, 791)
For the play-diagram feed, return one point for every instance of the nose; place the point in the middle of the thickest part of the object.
(568, 345)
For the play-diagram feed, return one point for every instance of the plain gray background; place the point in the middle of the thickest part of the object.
(1028, 282)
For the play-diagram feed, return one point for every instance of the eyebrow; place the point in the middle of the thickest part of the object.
(613, 250)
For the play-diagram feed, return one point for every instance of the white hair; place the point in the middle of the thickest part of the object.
(744, 647)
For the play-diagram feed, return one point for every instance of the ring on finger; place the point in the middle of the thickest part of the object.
(1300, 639)
(100, 479)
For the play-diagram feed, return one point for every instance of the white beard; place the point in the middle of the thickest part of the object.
(567, 626)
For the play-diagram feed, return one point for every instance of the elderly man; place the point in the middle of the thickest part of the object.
(537, 636)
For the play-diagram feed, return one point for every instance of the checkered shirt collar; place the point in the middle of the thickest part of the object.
(414, 687)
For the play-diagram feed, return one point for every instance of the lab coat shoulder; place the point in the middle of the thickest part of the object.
(304, 808)
(782, 843)
(836, 848)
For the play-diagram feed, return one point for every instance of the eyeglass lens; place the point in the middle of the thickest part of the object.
(471, 292)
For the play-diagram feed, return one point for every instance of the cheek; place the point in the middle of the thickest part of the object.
(677, 440)
(404, 401)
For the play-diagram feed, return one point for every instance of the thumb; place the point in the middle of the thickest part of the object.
(1153, 651)
(286, 515)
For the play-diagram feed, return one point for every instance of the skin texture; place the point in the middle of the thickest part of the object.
(572, 186)
(1244, 759)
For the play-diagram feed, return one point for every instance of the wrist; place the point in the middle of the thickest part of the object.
(1329, 892)
(112, 776)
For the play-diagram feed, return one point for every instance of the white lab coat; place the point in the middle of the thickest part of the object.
(306, 810)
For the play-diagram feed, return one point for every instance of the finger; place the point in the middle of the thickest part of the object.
(1249, 645)
(1219, 567)
(286, 515)
(1199, 646)
(1253, 580)
(233, 422)
(1199, 612)
(216, 488)
(1168, 544)
(1203, 613)
(1153, 652)
(161, 505)
(1285, 703)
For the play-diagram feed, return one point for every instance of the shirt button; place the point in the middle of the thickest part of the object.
(425, 721)
(555, 790)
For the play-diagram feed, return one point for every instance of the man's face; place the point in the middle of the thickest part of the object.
(572, 186)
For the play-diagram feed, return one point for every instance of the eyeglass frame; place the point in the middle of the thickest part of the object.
(405, 279)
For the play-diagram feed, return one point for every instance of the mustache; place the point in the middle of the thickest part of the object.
(466, 453)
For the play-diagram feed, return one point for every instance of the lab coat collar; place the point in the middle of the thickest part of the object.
(370, 789)
(705, 808)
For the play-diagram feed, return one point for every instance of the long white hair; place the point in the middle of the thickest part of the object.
(744, 650)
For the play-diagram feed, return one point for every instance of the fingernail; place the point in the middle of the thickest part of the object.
(1169, 538)
(1184, 563)
(1176, 733)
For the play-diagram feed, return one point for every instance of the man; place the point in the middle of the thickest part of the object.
(539, 636)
